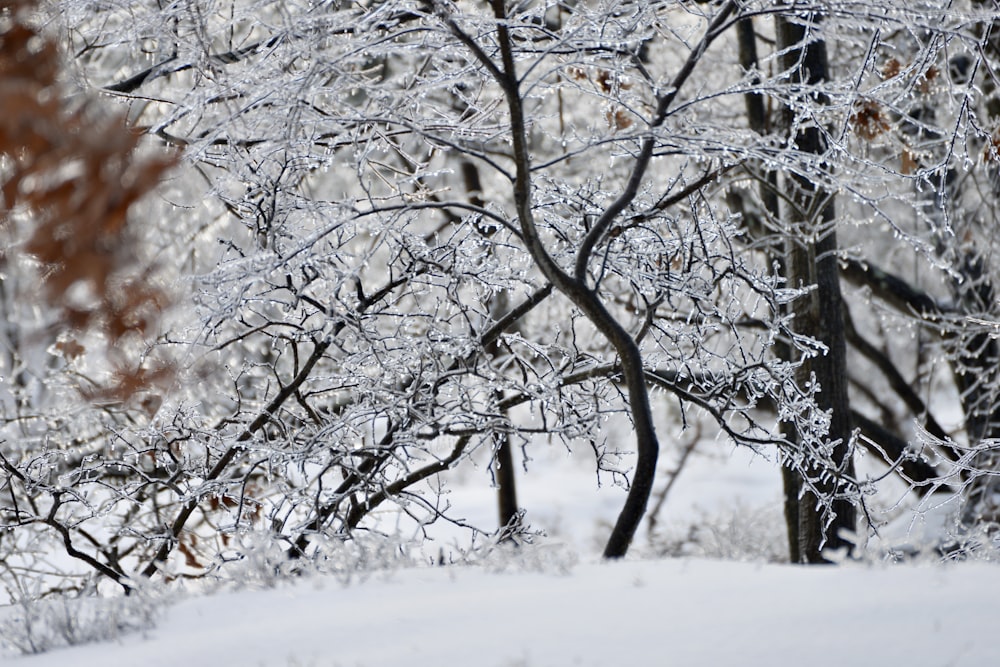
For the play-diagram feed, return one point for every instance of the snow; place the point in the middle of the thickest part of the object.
(557, 605)
(677, 612)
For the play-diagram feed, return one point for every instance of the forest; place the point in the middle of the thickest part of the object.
(277, 274)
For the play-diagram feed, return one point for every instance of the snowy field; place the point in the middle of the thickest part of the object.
(666, 612)
(555, 604)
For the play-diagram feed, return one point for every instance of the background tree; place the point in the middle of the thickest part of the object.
(892, 144)
(812, 260)
(943, 123)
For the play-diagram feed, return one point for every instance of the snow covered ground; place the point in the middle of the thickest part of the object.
(556, 605)
(665, 612)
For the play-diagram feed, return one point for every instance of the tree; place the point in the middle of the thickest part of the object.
(418, 233)
(878, 154)
(812, 260)
(944, 123)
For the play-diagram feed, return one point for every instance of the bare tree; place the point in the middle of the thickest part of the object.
(912, 121)
(421, 234)
(812, 260)
(941, 120)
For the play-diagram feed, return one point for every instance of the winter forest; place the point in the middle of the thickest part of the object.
(278, 277)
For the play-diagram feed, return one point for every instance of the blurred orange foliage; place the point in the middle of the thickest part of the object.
(74, 170)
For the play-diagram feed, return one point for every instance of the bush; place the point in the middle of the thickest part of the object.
(37, 626)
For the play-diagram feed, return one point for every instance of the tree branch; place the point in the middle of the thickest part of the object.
(891, 288)
(893, 450)
(894, 377)
(603, 223)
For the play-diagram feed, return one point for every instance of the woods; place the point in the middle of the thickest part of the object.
(402, 240)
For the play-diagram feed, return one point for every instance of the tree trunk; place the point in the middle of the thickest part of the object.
(503, 469)
(824, 509)
(503, 457)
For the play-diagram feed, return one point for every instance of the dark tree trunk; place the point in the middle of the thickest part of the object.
(503, 470)
(824, 510)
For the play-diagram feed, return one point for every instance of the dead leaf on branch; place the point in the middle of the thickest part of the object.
(869, 120)
(70, 349)
(618, 119)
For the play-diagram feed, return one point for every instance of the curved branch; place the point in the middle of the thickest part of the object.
(116, 576)
(895, 379)
(891, 288)
(362, 509)
(600, 228)
(50, 520)
(893, 450)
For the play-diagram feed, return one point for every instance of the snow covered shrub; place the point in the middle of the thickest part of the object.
(259, 559)
(740, 533)
(523, 552)
(37, 626)
(980, 543)
(932, 533)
